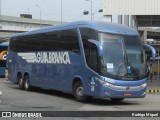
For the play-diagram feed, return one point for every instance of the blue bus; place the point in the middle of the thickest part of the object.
(3, 57)
(87, 59)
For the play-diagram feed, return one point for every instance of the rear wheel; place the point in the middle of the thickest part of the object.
(20, 82)
(27, 83)
(78, 92)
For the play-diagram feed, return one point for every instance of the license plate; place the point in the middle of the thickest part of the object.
(127, 94)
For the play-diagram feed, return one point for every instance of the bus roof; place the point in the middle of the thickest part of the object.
(4, 45)
(99, 26)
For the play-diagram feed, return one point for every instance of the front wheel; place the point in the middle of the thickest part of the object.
(27, 86)
(78, 92)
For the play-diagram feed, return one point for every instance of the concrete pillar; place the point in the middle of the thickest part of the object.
(145, 35)
(127, 20)
(119, 19)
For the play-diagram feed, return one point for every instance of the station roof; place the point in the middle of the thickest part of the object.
(27, 20)
(149, 21)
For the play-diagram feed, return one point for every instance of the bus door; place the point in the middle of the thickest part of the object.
(92, 62)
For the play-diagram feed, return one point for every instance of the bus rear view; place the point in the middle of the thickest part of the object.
(86, 59)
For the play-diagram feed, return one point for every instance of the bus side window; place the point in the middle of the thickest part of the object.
(65, 40)
(69, 39)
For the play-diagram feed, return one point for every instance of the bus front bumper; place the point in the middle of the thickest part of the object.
(125, 90)
(106, 92)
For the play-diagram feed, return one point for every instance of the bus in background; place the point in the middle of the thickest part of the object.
(3, 57)
(87, 59)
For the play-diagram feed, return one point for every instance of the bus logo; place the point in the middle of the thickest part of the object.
(46, 57)
(3, 55)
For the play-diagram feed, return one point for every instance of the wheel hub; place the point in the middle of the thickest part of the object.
(80, 92)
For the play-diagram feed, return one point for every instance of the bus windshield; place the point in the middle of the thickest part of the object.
(122, 55)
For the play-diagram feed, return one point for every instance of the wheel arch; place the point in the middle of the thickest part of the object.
(76, 86)
(75, 80)
(25, 74)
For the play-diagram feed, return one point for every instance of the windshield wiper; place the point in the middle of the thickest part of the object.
(134, 71)
(123, 63)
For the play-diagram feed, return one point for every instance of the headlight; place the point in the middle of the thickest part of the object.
(144, 85)
(104, 83)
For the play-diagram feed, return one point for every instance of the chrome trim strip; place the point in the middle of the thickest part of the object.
(126, 87)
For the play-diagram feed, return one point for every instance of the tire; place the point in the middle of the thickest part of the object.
(27, 86)
(20, 82)
(78, 93)
(116, 100)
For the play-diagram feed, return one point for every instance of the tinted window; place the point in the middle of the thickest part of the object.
(69, 40)
(53, 41)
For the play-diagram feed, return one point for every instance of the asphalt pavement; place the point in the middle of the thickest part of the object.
(14, 99)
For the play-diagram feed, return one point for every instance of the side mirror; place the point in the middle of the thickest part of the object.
(152, 49)
(99, 46)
